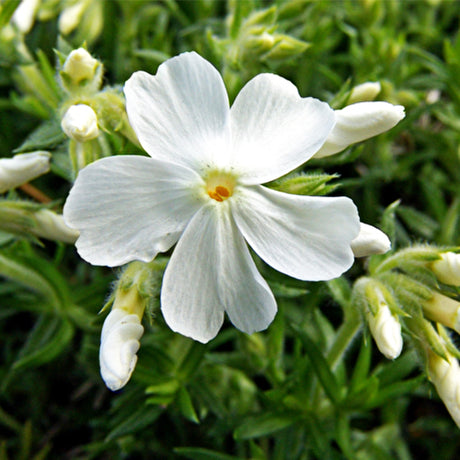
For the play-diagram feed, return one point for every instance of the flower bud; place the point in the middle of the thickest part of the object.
(51, 226)
(447, 268)
(370, 240)
(445, 375)
(22, 168)
(24, 15)
(80, 123)
(365, 92)
(443, 310)
(80, 66)
(358, 122)
(385, 328)
(120, 337)
(70, 17)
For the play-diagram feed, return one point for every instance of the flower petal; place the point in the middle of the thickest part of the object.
(189, 295)
(302, 236)
(181, 114)
(358, 122)
(274, 130)
(129, 208)
(210, 271)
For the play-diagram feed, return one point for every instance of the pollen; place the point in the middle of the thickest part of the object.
(220, 185)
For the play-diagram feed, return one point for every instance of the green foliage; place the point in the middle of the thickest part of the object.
(312, 386)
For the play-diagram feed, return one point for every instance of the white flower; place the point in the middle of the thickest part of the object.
(445, 375)
(447, 268)
(22, 168)
(370, 240)
(119, 344)
(358, 122)
(201, 188)
(80, 123)
(386, 329)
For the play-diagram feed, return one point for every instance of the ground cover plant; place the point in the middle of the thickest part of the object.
(229, 229)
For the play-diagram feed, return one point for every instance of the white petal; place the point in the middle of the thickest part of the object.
(370, 240)
(181, 114)
(189, 295)
(119, 344)
(211, 271)
(358, 122)
(302, 236)
(129, 208)
(274, 130)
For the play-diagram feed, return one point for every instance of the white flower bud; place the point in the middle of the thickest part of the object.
(80, 123)
(445, 375)
(365, 92)
(385, 329)
(370, 240)
(447, 268)
(70, 17)
(119, 344)
(22, 168)
(444, 310)
(80, 65)
(24, 15)
(358, 122)
(52, 226)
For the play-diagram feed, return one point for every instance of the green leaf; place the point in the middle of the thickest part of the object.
(320, 366)
(6, 11)
(186, 406)
(264, 425)
(137, 421)
(47, 340)
(47, 135)
(196, 453)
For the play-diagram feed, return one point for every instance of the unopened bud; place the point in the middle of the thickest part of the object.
(385, 328)
(445, 375)
(122, 328)
(119, 344)
(24, 15)
(70, 17)
(51, 226)
(80, 66)
(365, 92)
(358, 122)
(22, 168)
(370, 240)
(447, 268)
(80, 123)
(443, 310)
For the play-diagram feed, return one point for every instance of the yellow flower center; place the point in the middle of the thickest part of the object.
(219, 185)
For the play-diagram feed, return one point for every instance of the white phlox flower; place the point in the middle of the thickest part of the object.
(80, 123)
(358, 122)
(22, 168)
(370, 240)
(119, 344)
(201, 188)
(444, 310)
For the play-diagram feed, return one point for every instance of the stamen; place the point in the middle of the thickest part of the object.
(222, 191)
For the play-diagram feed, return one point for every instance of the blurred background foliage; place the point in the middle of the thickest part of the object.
(313, 385)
